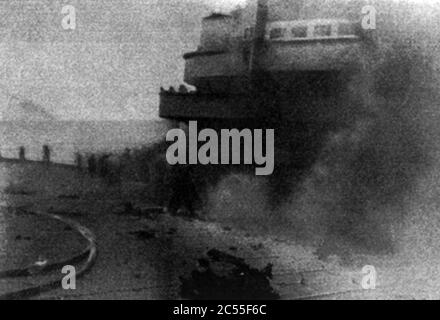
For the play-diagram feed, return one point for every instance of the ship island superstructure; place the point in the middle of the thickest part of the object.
(292, 56)
(303, 68)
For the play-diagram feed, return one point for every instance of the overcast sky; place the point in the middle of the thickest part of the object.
(110, 67)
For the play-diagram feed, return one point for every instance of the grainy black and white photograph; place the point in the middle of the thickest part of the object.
(246, 150)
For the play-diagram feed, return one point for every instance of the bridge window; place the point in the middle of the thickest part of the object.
(299, 32)
(324, 30)
(346, 29)
(277, 33)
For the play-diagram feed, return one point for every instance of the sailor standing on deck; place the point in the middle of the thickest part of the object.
(183, 195)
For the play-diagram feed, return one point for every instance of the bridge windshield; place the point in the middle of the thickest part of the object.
(310, 29)
(277, 33)
(346, 29)
(323, 30)
(299, 32)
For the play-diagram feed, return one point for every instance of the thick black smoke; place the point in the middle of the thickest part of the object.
(361, 192)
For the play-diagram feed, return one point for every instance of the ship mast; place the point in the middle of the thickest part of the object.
(260, 84)
(258, 40)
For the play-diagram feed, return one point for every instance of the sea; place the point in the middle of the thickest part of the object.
(65, 138)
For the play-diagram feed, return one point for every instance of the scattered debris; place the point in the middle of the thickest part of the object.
(41, 263)
(66, 213)
(151, 213)
(38, 266)
(257, 247)
(144, 235)
(184, 212)
(223, 276)
(20, 238)
(69, 197)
